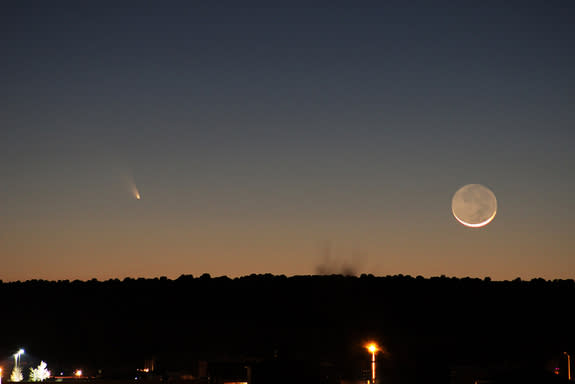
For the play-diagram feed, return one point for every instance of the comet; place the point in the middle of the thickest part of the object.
(135, 192)
(133, 188)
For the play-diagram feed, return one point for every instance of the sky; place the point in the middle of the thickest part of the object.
(284, 137)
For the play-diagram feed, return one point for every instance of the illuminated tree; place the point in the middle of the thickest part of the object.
(40, 373)
(16, 375)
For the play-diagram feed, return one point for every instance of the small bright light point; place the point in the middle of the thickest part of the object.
(372, 347)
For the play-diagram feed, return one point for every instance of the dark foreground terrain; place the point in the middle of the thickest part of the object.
(309, 328)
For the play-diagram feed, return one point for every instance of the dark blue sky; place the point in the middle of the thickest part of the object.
(257, 134)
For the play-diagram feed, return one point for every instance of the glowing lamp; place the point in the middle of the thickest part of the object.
(372, 348)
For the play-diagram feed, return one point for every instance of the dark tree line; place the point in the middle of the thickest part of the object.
(424, 325)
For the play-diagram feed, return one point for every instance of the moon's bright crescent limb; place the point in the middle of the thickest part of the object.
(477, 225)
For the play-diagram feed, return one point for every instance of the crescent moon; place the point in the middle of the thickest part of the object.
(474, 205)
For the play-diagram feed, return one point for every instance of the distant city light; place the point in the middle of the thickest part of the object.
(372, 348)
(40, 373)
(568, 365)
(78, 373)
(16, 375)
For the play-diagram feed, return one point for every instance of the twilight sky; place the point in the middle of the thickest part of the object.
(284, 139)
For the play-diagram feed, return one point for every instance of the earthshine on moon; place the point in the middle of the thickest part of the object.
(474, 205)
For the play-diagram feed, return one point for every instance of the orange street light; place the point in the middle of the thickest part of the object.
(372, 348)
(568, 366)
